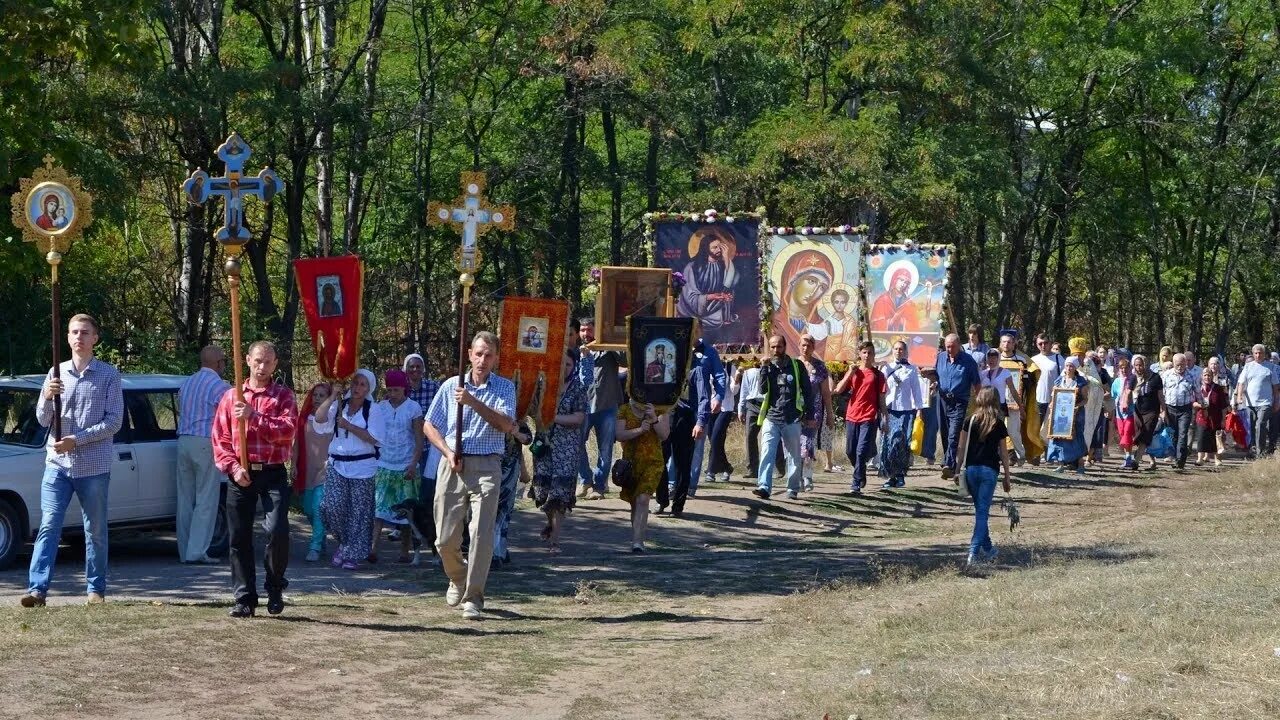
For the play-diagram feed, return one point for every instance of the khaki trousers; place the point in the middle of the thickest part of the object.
(477, 485)
(199, 485)
(1014, 426)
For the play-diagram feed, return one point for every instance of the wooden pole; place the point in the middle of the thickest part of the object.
(466, 280)
(233, 282)
(55, 299)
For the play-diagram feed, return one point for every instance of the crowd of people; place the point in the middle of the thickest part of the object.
(442, 462)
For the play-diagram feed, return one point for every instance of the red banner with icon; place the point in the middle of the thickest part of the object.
(331, 290)
(534, 333)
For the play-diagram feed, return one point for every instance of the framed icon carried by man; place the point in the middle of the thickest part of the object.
(627, 291)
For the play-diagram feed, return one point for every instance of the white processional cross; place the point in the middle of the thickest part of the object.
(471, 216)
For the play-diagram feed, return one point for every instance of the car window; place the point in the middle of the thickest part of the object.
(18, 423)
(153, 415)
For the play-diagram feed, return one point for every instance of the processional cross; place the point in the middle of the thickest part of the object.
(472, 216)
(233, 188)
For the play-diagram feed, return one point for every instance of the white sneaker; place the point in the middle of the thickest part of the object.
(471, 611)
(312, 556)
(991, 554)
(453, 595)
(971, 561)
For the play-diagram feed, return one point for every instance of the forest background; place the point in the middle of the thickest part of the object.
(1103, 168)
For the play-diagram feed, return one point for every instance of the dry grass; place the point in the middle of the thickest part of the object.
(1151, 599)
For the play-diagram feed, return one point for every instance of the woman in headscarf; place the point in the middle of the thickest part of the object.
(311, 465)
(401, 451)
(1144, 395)
(1069, 453)
(555, 473)
(1210, 411)
(422, 390)
(1124, 408)
(1091, 371)
(358, 426)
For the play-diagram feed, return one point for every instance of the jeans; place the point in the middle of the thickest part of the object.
(771, 435)
(1260, 425)
(952, 420)
(929, 445)
(695, 461)
(860, 446)
(56, 488)
(1181, 419)
(982, 487)
(510, 469)
(680, 465)
(753, 442)
(719, 462)
(242, 505)
(605, 424)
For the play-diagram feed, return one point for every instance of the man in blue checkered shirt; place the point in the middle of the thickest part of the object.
(472, 472)
(79, 462)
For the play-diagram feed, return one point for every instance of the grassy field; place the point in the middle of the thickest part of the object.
(1122, 596)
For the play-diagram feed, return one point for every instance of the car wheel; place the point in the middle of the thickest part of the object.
(221, 543)
(10, 534)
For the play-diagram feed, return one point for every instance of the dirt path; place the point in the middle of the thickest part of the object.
(585, 634)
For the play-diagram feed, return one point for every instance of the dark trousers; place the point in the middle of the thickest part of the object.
(1181, 419)
(719, 462)
(860, 446)
(680, 442)
(242, 506)
(753, 440)
(952, 420)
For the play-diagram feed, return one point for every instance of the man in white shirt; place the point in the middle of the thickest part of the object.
(1050, 364)
(1258, 391)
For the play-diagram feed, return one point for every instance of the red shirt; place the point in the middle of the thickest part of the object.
(271, 427)
(866, 388)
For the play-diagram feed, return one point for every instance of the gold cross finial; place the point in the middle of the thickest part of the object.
(49, 160)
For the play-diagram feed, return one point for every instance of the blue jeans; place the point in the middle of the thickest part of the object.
(860, 446)
(929, 446)
(605, 424)
(982, 487)
(56, 488)
(773, 434)
(952, 421)
(695, 465)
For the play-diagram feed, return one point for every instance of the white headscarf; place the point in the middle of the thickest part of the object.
(410, 356)
(373, 382)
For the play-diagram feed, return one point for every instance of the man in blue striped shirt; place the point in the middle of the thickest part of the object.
(470, 476)
(198, 479)
(79, 462)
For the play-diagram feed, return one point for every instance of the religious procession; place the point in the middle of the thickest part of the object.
(572, 360)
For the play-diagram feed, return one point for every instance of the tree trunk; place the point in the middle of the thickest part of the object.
(328, 21)
(615, 183)
(359, 162)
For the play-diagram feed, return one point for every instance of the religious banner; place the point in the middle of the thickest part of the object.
(331, 290)
(811, 287)
(718, 259)
(906, 289)
(660, 352)
(533, 336)
(627, 291)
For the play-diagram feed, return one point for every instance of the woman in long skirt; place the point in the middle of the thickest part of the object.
(1124, 410)
(555, 472)
(358, 426)
(1069, 453)
(902, 400)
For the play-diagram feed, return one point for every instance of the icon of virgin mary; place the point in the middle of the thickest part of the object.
(806, 279)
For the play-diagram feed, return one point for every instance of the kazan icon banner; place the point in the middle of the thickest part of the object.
(719, 260)
(906, 290)
(532, 338)
(660, 353)
(331, 290)
(812, 284)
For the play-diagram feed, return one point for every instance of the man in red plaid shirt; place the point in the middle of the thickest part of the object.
(272, 416)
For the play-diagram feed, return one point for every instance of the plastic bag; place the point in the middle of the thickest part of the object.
(917, 435)
(1162, 443)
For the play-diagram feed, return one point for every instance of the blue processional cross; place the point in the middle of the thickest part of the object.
(233, 187)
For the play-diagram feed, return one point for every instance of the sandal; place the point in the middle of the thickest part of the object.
(546, 533)
(349, 565)
(337, 560)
